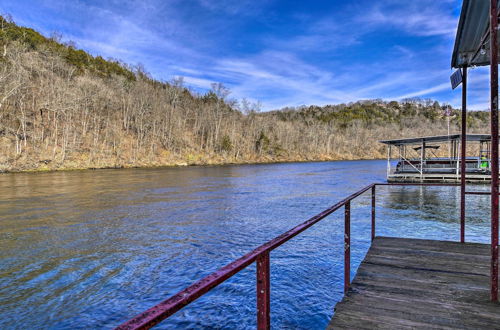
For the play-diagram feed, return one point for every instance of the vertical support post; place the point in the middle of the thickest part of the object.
(347, 246)
(464, 150)
(263, 292)
(494, 147)
(373, 212)
(489, 156)
(388, 161)
(422, 155)
(450, 145)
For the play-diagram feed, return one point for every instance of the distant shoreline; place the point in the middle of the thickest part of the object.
(122, 167)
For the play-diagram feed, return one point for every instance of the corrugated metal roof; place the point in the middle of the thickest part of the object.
(472, 27)
(438, 138)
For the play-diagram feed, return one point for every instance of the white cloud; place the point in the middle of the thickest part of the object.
(198, 82)
(421, 18)
(326, 58)
(241, 7)
(427, 91)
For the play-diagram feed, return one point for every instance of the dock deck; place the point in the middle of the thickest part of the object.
(413, 283)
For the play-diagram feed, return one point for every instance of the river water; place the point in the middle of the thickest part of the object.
(90, 249)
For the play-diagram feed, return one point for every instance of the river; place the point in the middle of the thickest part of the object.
(90, 249)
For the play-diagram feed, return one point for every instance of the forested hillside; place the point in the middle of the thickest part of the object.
(61, 108)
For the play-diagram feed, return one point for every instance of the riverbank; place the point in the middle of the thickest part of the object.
(44, 166)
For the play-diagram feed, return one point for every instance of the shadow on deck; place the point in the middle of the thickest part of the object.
(412, 283)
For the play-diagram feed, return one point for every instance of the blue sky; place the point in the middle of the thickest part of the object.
(281, 53)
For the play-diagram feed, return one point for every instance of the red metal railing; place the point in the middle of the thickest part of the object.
(261, 256)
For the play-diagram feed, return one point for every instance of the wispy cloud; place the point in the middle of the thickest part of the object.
(421, 18)
(281, 54)
(427, 91)
(198, 82)
(241, 7)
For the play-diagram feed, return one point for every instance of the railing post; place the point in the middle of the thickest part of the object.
(373, 212)
(347, 246)
(263, 292)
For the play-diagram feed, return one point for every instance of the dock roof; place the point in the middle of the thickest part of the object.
(438, 138)
(472, 39)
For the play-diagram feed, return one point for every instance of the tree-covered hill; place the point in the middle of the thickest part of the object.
(78, 58)
(62, 108)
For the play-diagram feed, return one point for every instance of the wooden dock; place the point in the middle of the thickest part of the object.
(411, 283)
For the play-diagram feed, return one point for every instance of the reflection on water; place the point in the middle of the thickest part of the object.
(90, 249)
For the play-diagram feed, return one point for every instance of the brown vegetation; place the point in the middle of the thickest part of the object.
(61, 108)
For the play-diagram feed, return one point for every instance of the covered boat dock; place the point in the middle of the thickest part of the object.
(436, 159)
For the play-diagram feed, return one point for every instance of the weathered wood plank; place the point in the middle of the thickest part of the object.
(430, 244)
(411, 283)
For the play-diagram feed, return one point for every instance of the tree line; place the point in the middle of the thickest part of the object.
(62, 108)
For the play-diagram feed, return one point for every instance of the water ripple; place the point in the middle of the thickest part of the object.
(90, 249)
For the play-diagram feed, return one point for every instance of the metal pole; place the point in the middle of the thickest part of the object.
(347, 246)
(422, 155)
(462, 160)
(388, 161)
(494, 147)
(373, 213)
(263, 292)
